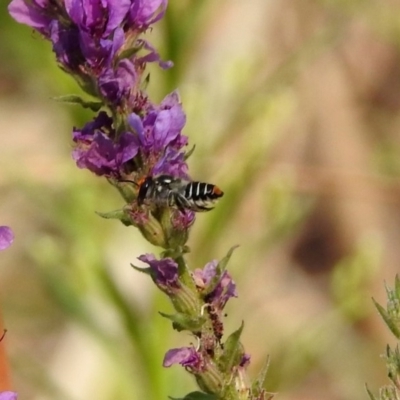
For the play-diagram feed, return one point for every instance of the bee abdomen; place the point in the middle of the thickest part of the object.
(202, 191)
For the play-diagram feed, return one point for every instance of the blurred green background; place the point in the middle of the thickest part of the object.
(294, 110)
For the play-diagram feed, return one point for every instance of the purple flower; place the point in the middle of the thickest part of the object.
(143, 13)
(37, 14)
(98, 18)
(98, 152)
(188, 357)
(224, 289)
(160, 139)
(164, 272)
(99, 53)
(204, 276)
(183, 220)
(6, 239)
(245, 361)
(8, 395)
(66, 46)
(171, 163)
(116, 85)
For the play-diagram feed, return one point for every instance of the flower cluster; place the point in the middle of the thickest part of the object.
(130, 140)
(99, 43)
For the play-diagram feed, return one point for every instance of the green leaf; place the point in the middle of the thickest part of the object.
(75, 99)
(196, 396)
(397, 286)
(233, 351)
(388, 320)
(145, 83)
(190, 152)
(224, 262)
(258, 384)
(128, 53)
(146, 270)
(371, 396)
(121, 215)
(181, 322)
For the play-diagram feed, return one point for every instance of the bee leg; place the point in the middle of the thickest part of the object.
(182, 203)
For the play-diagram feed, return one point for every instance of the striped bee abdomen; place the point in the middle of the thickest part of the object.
(202, 196)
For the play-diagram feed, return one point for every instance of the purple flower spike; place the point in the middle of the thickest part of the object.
(6, 239)
(8, 396)
(186, 356)
(164, 271)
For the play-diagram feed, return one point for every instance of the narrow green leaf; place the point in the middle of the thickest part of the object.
(181, 322)
(190, 152)
(371, 396)
(224, 262)
(233, 351)
(128, 53)
(397, 286)
(258, 384)
(145, 82)
(121, 215)
(146, 270)
(75, 99)
(388, 321)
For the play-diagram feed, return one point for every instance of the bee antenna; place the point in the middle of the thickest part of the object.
(128, 181)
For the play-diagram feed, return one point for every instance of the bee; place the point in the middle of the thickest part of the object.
(167, 191)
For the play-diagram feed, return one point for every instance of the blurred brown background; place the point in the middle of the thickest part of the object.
(294, 110)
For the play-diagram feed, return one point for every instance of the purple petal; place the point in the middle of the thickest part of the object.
(66, 45)
(6, 238)
(186, 356)
(170, 100)
(8, 396)
(152, 56)
(209, 271)
(164, 271)
(97, 17)
(30, 14)
(143, 12)
(136, 123)
(245, 361)
(128, 147)
(225, 289)
(117, 84)
(118, 10)
(172, 163)
(164, 133)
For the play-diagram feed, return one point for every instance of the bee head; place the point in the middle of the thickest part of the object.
(144, 185)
